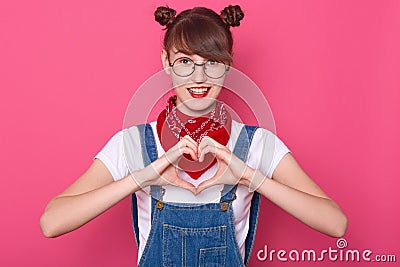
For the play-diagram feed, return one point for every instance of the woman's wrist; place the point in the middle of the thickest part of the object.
(135, 185)
(247, 177)
(253, 179)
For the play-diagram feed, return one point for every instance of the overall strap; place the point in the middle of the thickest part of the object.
(149, 154)
(241, 150)
(148, 144)
(254, 208)
(253, 220)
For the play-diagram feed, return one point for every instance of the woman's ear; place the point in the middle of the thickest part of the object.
(165, 61)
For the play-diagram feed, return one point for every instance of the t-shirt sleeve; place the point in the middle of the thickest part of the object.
(266, 151)
(112, 155)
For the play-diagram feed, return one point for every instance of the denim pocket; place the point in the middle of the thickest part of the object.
(194, 246)
(212, 257)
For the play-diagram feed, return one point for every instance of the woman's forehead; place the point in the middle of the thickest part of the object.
(177, 54)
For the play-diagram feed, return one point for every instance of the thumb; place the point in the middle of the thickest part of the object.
(186, 185)
(206, 184)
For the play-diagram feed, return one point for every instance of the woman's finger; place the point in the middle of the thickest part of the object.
(220, 152)
(176, 152)
(188, 150)
(172, 177)
(206, 140)
(210, 140)
(187, 141)
(190, 139)
(210, 182)
(208, 148)
(185, 184)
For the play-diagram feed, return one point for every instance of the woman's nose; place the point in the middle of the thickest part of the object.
(198, 74)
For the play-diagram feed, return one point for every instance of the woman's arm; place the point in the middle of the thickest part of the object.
(295, 192)
(291, 188)
(89, 196)
(95, 191)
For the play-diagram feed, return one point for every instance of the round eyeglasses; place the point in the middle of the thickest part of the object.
(184, 67)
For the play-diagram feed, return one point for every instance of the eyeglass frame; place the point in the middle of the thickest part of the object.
(227, 67)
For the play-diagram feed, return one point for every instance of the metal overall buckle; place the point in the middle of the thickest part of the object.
(225, 204)
(160, 203)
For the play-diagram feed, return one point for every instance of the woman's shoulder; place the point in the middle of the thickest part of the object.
(125, 139)
(134, 130)
(260, 132)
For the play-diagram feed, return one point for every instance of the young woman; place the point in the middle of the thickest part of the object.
(195, 184)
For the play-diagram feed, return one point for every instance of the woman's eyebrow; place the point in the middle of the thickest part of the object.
(181, 52)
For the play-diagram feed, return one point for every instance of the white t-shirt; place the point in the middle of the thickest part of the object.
(122, 154)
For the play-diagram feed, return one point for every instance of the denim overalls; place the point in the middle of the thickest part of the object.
(193, 234)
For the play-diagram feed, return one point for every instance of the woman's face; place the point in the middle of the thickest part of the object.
(196, 94)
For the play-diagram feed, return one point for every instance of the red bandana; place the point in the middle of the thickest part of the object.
(172, 125)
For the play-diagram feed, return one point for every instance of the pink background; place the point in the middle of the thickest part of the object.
(329, 69)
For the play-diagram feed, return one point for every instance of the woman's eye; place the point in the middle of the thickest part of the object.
(184, 61)
(212, 62)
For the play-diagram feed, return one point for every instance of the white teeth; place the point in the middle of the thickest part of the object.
(198, 90)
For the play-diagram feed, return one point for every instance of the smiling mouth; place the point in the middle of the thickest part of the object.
(198, 92)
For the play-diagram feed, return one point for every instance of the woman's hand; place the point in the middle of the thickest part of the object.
(163, 171)
(231, 169)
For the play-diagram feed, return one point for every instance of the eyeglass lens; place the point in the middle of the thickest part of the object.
(185, 67)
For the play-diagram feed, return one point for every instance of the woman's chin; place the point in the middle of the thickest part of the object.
(198, 106)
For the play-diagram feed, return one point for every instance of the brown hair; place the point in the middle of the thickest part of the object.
(200, 31)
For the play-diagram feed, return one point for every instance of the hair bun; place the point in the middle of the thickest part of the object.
(164, 15)
(232, 15)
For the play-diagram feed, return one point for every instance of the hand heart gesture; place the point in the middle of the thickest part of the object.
(231, 169)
